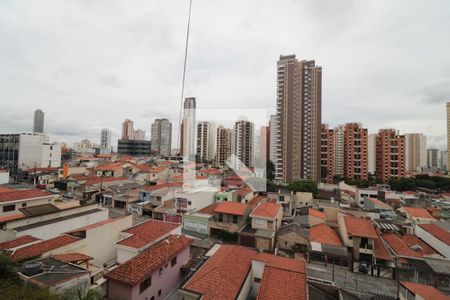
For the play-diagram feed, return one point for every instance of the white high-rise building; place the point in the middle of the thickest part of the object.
(206, 141)
(371, 152)
(38, 121)
(243, 142)
(188, 130)
(433, 158)
(161, 137)
(339, 148)
(415, 152)
(273, 138)
(139, 135)
(105, 141)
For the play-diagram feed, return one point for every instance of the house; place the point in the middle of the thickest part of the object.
(286, 200)
(410, 290)
(236, 272)
(265, 221)
(194, 199)
(292, 238)
(417, 214)
(303, 199)
(326, 246)
(198, 222)
(152, 274)
(11, 201)
(226, 196)
(230, 217)
(136, 239)
(407, 245)
(436, 237)
(373, 203)
(309, 217)
(362, 194)
(358, 234)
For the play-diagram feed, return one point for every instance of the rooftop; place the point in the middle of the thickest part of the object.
(144, 264)
(266, 210)
(74, 257)
(209, 210)
(282, 284)
(437, 232)
(110, 166)
(324, 234)
(18, 195)
(317, 213)
(23, 240)
(360, 227)
(231, 208)
(424, 291)
(295, 265)
(407, 245)
(147, 232)
(418, 212)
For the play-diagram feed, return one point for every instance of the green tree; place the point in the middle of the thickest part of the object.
(304, 186)
(270, 167)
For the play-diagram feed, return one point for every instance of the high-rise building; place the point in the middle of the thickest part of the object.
(371, 153)
(139, 135)
(134, 147)
(223, 145)
(327, 152)
(206, 141)
(187, 135)
(448, 133)
(161, 137)
(243, 142)
(433, 158)
(38, 121)
(443, 161)
(299, 97)
(339, 150)
(263, 145)
(127, 130)
(355, 152)
(415, 152)
(390, 155)
(105, 141)
(273, 138)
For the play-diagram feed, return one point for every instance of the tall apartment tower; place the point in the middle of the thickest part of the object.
(327, 152)
(390, 155)
(127, 130)
(443, 161)
(139, 135)
(415, 152)
(206, 141)
(433, 158)
(299, 97)
(264, 145)
(355, 152)
(187, 131)
(273, 138)
(105, 141)
(38, 121)
(223, 145)
(339, 150)
(371, 152)
(161, 137)
(448, 133)
(243, 144)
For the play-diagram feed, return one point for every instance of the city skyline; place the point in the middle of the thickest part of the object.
(249, 70)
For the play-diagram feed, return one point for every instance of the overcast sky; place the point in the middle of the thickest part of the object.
(91, 64)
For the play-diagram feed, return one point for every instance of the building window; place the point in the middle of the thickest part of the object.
(173, 262)
(220, 218)
(145, 284)
(235, 219)
(257, 280)
(7, 208)
(189, 203)
(24, 204)
(159, 293)
(152, 298)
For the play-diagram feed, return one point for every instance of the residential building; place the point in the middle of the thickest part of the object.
(26, 151)
(86, 147)
(272, 137)
(152, 274)
(417, 291)
(355, 152)
(134, 147)
(299, 97)
(105, 141)
(415, 152)
(327, 154)
(206, 141)
(243, 143)
(436, 237)
(264, 145)
(194, 198)
(309, 217)
(4, 176)
(161, 137)
(324, 245)
(139, 135)
(127, 130)
(390, 155)
(293, 238)
(339, 151)
(371, 153)
(433, 158)
(230, 217)
(187, 135)
(12, 200)
(443, 161)
(448, 133)
(223, 145)
(38, 121)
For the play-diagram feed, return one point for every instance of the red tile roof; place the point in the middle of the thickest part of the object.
(425, 291)
(110, 166)
(8, 218)
(401, 245)
(380, 250)
(231, 208)
(42, 247)
(360, 227)
(23, 240)
(255, 201)
(72, 257)
(158, 169)
(144, 168)
(147, 232)
(5, 189)
(282, 284)
(290, 264)
(379, 203)
(437, 232)
(209, 210)
(91, 180)
(211, 171)
(222, 275)
(418, 212)
(17, 195)
(324, 234)
(152, 188)
(317, 213)
(147, 262)
(266, 210)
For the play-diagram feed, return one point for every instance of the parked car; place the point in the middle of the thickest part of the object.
(363, 267)
(68, 195)
(41, 186)
(54, 191)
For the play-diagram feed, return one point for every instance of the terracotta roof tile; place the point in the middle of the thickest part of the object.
(209, 209)
(266, 210)
(324, 234)
(144, 264)
(110, 166)
(282, 284)
(437, 232)
(317, 213)
(42, 247)
(401, 245)
(222, 275)
(295, 265)
(72, 257)
(255, 201)
(23, 240)
(147, 232)
(425, 291)
(5, 189)
(418, 212)
(11, 217)
(360, 227)
(17, 195)
(380, 250)
(379, 203)
(231, 208)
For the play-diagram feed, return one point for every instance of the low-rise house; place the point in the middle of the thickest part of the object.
(236, 272)
(152, 274)
(286, 200)
(136, 239)
(303, 199)
(326, 246)
(266, 219)
(436, 237)
(309, 217)
(416, 291)
(197, 223)
(230, 217)
(417, 215)
(373, 203)
(116, 169)
(230, 195)
(194, 199)
(293, 238)
(361, 194)
(11, 201)
(407, 245)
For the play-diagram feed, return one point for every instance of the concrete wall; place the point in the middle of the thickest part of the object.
(288, 240)
(4, 177)
(197, 223)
